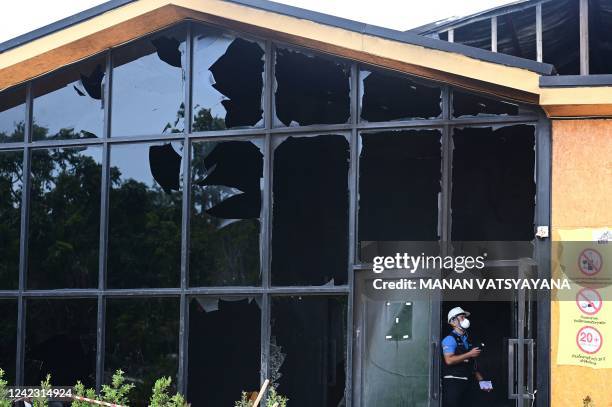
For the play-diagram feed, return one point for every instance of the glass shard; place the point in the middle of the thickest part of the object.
(228, 81)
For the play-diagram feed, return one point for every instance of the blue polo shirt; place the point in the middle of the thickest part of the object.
(449, 345)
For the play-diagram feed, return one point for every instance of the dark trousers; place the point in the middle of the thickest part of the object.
(456, 392)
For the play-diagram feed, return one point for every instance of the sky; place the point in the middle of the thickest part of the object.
(20, 17)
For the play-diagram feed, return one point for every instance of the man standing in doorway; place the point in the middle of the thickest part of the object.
(459, 367)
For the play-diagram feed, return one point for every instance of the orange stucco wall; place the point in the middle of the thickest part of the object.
(581, 198)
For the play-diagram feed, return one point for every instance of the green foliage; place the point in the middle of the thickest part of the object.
(80, 390)
(244, 401)
(204, 120)
(161, 398)
(274, 397)
(42, 401)
(118, 390)
(4, 400)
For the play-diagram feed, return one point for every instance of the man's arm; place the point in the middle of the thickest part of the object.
(452, 359)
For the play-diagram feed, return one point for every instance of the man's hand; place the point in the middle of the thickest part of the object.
(473, 353)
(452, 359)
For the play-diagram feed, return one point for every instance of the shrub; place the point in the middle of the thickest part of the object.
(4, 400)
(80, 390)
(273, 397)
(161, 398)
(42, 401)
(118, 390)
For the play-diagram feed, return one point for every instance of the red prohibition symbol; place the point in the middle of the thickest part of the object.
(590, 262)
(589, 340)
(589, 301)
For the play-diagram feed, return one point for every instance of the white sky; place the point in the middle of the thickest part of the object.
(20, 17)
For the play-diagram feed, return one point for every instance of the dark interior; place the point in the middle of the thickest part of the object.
(491, 324)
(310, 192)
(224, 349)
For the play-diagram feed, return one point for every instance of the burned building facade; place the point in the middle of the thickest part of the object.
(197, 193)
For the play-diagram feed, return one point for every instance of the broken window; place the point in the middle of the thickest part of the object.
(310, 210)
(399, 183)
(144, 236)
(11, 185)
(149, 85)
(469, 104)
(225, 224)
(68, 104)
(387, 96)
(600, 37)
(64, 220)
(142, 339)
(561, 35)
(310, 89)
(12, 114)
(227, 81)
(308, 349)
(8, 338)
(61, 341)
(476, 34)
(224, 349)
(516, 33)
(493, 193)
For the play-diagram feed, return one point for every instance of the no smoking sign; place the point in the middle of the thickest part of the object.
(589, 301)
(590, 262)
(589, 340)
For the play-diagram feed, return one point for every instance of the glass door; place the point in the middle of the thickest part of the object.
(521, 348)
(395, 344)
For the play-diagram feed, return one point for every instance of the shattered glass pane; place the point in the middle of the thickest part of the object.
(468, 104)
(142, 339)
(309, 340)
(228, 81)
(68, 104)
(310, 89)
(12, 114)
(493, 196)
(387, 96)
(224, 349)
(149, 85)
(56, 328)
(144, 240)
(8, 338)
(226, 195)
(11, 186)
(64, 220)
(310, 210)
(399, 185)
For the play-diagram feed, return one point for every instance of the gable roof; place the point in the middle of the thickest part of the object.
(119, 21)
(326, 19)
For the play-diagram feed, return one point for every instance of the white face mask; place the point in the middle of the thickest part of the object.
(465, 323)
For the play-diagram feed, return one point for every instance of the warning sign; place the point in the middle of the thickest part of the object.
(589, 340)
(590, 262)
(589, 301)
(584, 312)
